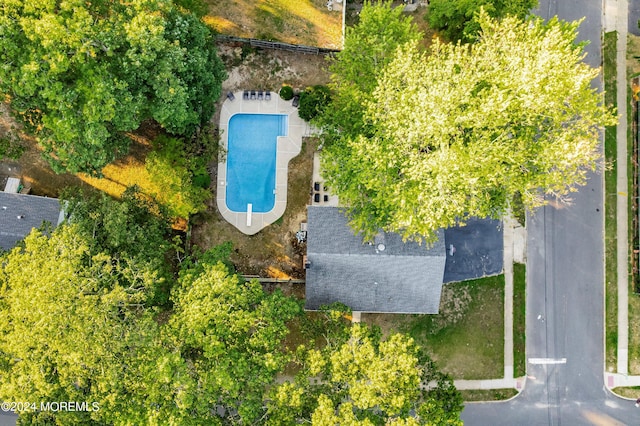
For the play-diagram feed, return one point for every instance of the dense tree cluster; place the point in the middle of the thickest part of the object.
(428, 139)
(82, 74)
(105, 309)
(79, 322)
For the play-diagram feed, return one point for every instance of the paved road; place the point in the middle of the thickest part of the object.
(634, 16)
(8, 419)
(565, 296)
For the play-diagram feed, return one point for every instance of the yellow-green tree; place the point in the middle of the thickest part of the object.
(172, 172)
(369, 47)
(69, 331)
(80, 321)
(231, 333)
(460, 130)
(357, 378)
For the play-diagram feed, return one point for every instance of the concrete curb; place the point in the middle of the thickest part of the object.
(505, 383)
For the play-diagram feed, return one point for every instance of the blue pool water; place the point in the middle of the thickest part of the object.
(251, 160)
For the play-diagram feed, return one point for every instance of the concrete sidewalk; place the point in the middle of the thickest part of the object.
(505, 383)
(514, 251)
(616, 19)
(621, 26)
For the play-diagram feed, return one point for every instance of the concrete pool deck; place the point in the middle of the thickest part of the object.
(287, 148)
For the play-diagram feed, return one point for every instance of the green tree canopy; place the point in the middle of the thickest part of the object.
(133, 231)
(231, 333)
(82, 74)
(460, 131)
(369, 46)
(313, 101)
(171, 171)
(357, 378)
(68, 330)
(457, 19)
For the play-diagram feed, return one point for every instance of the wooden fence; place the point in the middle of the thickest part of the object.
(635, 223)
(276, 45)
(263, 280)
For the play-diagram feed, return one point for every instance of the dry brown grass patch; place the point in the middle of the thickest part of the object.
(306, 22)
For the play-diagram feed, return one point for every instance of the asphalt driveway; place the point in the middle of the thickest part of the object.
(478, 250)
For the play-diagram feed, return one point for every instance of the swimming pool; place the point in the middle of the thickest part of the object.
(251, 160)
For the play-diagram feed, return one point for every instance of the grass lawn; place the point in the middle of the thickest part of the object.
(466, 339)
(488, 394)
(630, 392)
(306, 22)
(125, 172)
(519, 319)
(128, 171)
(633, 68)
(611, 275)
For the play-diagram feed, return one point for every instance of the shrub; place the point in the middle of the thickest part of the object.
(171, 171)
(313, 101)
(11, 145)
(286, 92)
(202, 180)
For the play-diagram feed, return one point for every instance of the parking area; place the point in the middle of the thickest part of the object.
(478, 250)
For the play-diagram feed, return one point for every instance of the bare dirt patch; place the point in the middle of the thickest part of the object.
(31, 167)
(418, 16)
(250, 68)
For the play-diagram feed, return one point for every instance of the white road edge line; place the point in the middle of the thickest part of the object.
(547, 360)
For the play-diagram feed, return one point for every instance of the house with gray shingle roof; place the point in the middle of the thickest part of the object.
(20, 213)
(385, 275)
